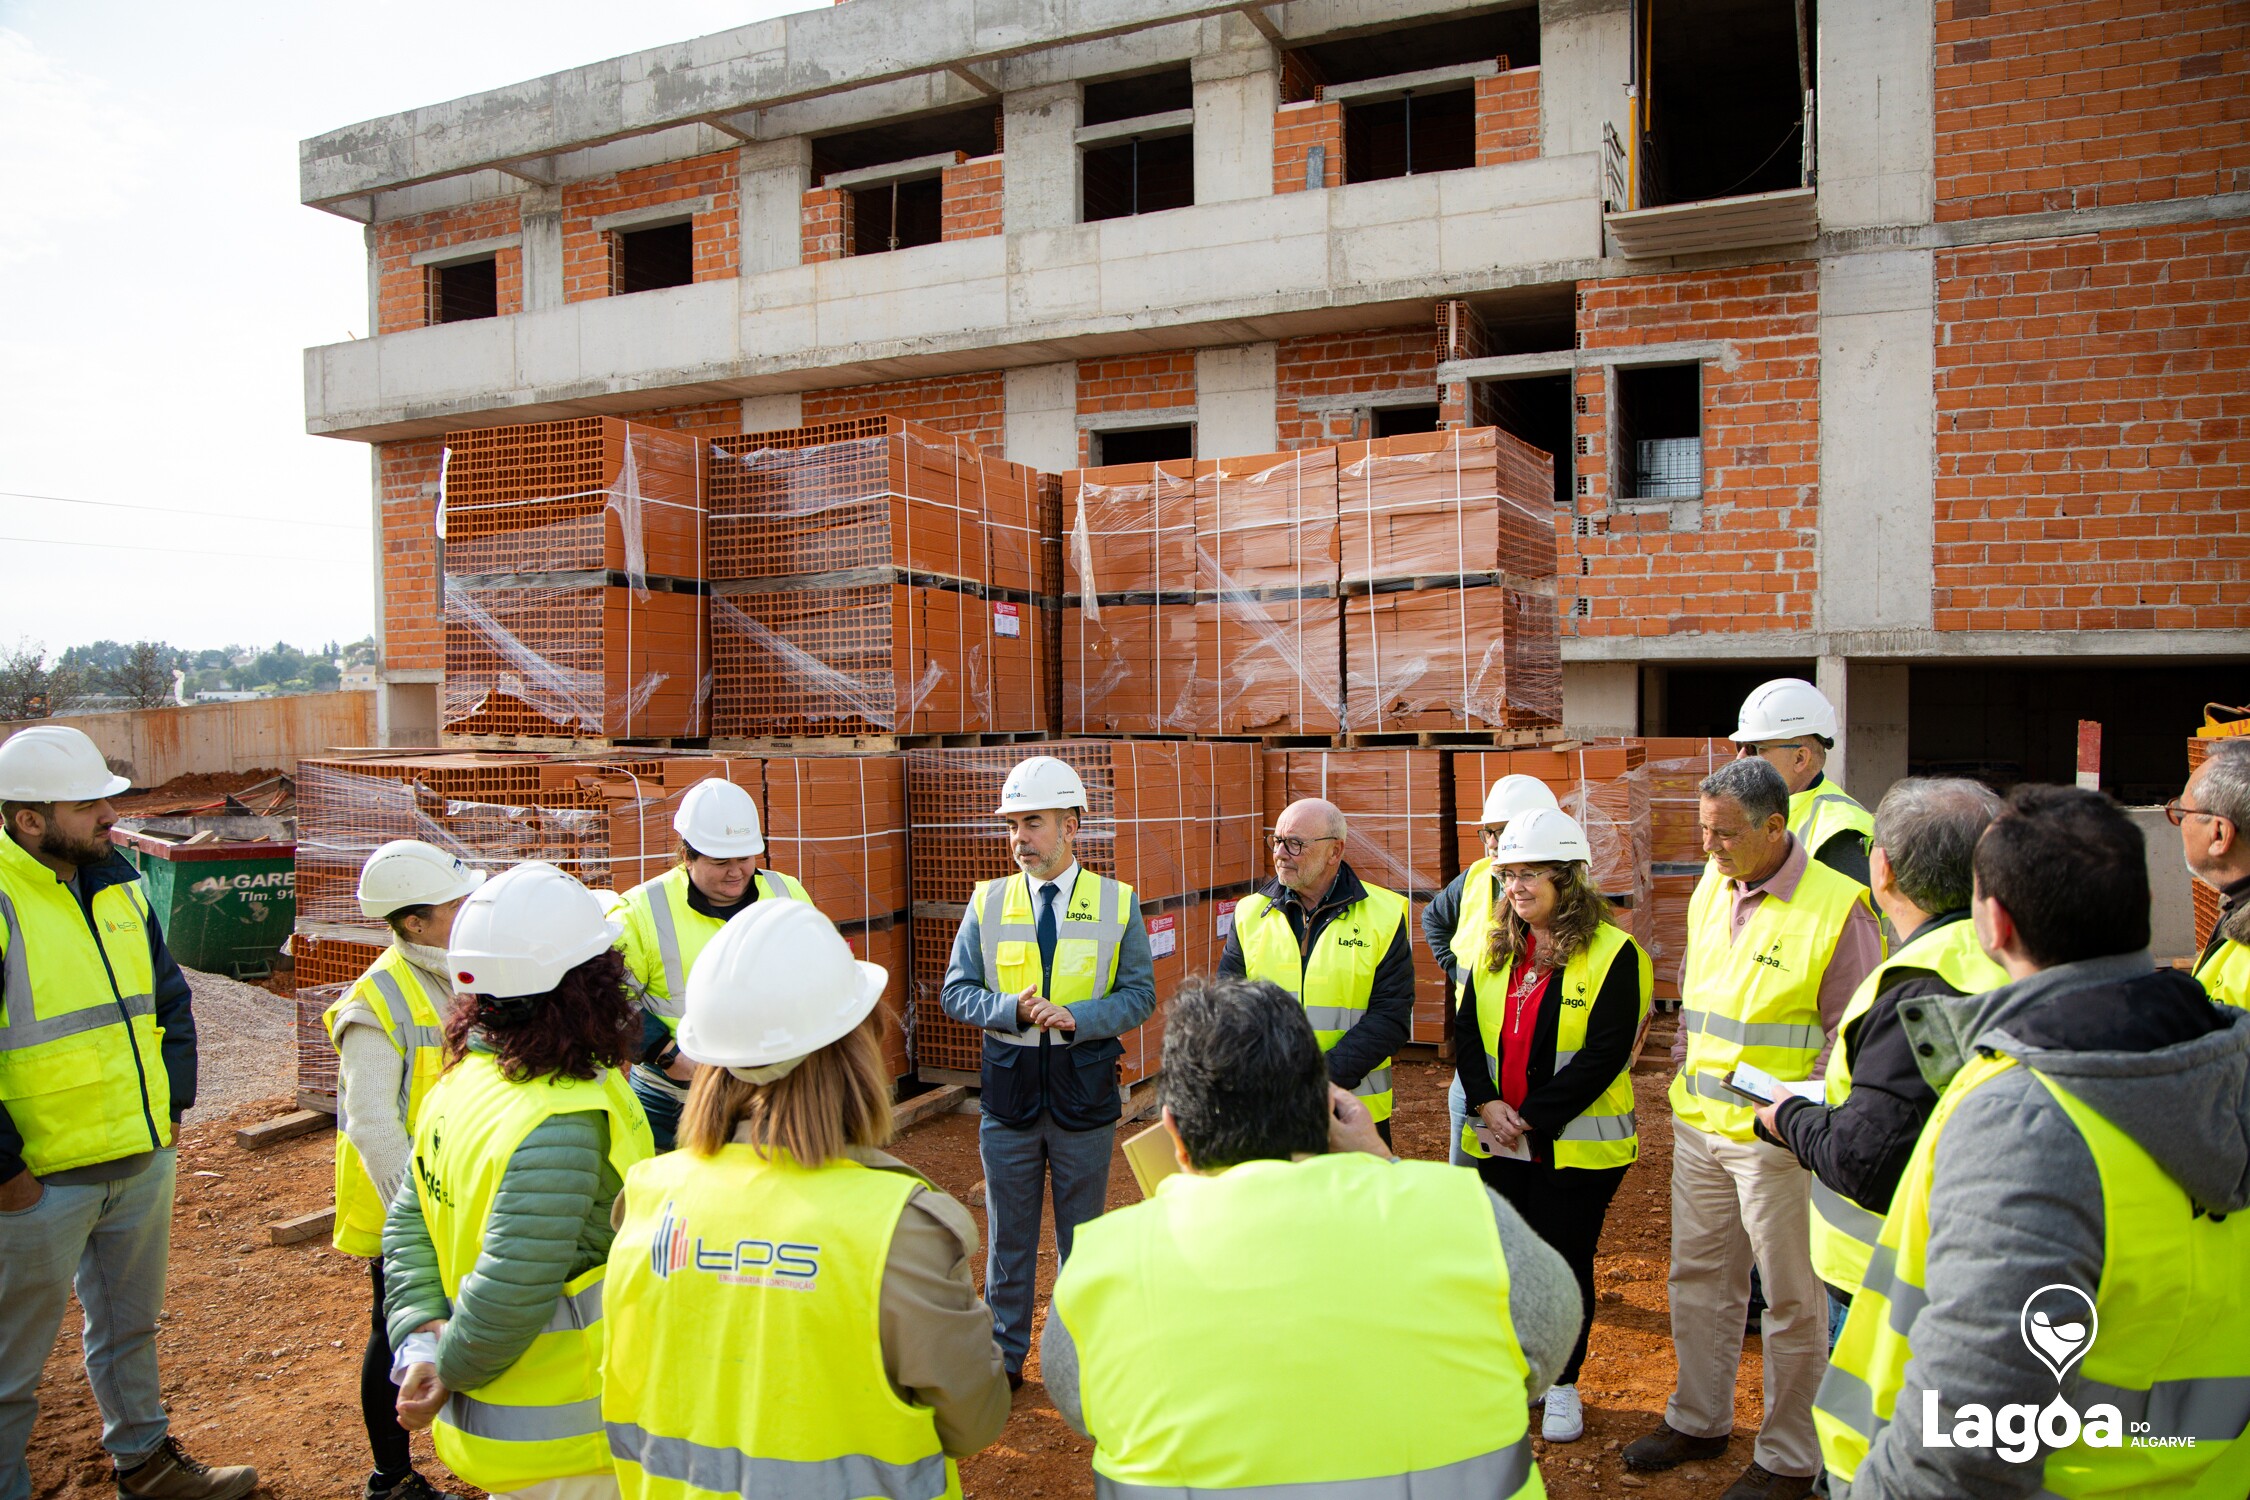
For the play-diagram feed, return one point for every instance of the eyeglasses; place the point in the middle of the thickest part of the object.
(1525, 875)
(2178, 812)
(1294, 847)
(1746, 752)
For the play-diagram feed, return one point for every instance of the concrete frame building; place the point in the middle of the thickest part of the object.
(1951, 379)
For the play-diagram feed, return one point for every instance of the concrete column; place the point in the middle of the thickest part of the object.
(773, 176)
(1040, 164)
(542, 249)
(1876, 113)
(1601, 698)
(1040, 425)
(772, 413)
(2171, 907)
(1236, 92)
(1878, 507)
(1585, 61)
(1874, 728)
(1656, 707)
(1234, 401)
(406, 712)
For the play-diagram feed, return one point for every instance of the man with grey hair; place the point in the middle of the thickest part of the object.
(1777, 943)
(2213, 815)
(1857, 1143)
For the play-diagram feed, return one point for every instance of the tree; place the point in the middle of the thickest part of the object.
(144, 677)
(29, 688)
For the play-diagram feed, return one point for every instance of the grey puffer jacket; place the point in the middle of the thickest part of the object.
(549, 1225)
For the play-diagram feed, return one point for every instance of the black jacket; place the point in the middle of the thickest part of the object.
(1555, 1098)
(1389, 1021)
(175, 1011)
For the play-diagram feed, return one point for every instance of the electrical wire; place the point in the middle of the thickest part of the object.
(48, 541)
(1728, 192)
(166, 510)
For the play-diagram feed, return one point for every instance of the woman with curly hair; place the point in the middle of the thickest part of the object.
(493, 1264)
(1544, 1041)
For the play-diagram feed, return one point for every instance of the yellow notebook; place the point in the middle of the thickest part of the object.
(1150, 1156)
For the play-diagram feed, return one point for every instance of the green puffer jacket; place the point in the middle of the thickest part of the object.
(549, 1224)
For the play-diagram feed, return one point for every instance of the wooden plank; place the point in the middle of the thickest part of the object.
(317, 1100)
(922, 1107)
(304, 1227)
(283, 1128)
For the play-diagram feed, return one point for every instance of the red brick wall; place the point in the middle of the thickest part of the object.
(974, 405)
(1297, 128)
(586, 253)
(1379, 362)
(2045, 105)
(413, 612)
(2092, 448)
(1135, 383)
(1507, 114)
(401, 288)
(1751, 565)
(827, 224)
(970, 205)
(712, 417)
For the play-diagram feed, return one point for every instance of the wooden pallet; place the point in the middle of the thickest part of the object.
(565, 744)
(1545, 737)
(869, 744)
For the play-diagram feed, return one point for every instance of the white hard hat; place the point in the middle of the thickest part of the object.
(521, 931)
(1786, 708)
(1514, 795)
(719, 819)
(776, 985)
(56, 763)
(408, 872)
(1041, 784)
(1544, 835)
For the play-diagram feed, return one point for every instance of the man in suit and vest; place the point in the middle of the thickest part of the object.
(97, 1063)
(1777, 943)
(2214, 815)
(1790, 725)
(1335, 942)
(1053, 964)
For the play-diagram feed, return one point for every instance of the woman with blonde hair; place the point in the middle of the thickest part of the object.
(1544, 1041)
(859, 1359)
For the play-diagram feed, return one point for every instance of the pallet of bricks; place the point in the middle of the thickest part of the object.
(836, 823)
(1176, 820)
(1675, 767)
(876, 577)
(1394, 586)
(1605, 787)
(573, 563)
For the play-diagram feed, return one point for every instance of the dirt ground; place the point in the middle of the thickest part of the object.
(261, 1344)
(183, 792)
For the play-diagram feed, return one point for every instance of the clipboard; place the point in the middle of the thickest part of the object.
(1149, 1153)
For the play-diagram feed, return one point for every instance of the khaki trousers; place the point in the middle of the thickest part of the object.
(1734, 1202)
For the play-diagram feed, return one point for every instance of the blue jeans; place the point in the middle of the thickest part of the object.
(112, 1240)
(1457, 1111)
(1019, 1165)
(658, 1102)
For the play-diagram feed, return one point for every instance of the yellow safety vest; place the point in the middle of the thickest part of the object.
(1605, 1134)
(664, 935)
(1472, 929)
(2171, 1344)
(745, 1349)
(1090, 929)
(2225, 974)
(1818, 813)
(1843, 1232)
(542, 1418)
(1755, 999)
(1188, 1312)
(390, 995)
(81, 1056)
(1335, 983)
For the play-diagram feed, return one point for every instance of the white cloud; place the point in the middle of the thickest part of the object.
(67, 151)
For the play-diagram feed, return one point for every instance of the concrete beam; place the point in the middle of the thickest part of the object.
(1236, 90)
(1878, 513)
(1720, 352)
(454, 255)
(2023, 646)
(1040, 424)
(773, 413)
(1234, 394)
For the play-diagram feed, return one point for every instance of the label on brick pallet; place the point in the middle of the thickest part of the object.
(1007, 619)
(1225, 925)
(1163, 935)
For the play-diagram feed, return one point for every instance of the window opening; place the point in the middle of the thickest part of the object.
(898, 216)
(1398, 421)
(660, 256)
(1144, 445)
(1660, 431)
(465, 290)
(1415, 133)
(1139, 177)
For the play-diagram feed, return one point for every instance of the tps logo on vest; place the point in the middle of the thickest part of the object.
(746, 1262)
(2058, 1324)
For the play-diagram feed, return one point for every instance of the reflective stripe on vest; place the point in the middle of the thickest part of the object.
(390, 996)
(782, 1267)
(2225, 975)
(1472, 930)
(1090, 928)
(680, 931)
(1843, 1233)
(1604, 1134)
(541, 1417)
(1755, 998)
(1335, 983)
(1818, 813)
(82, 1073)
(1212, 1274)
(2172, 1297)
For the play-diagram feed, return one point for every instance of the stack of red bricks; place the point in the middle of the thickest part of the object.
(1676, 767)
(876, 577)
(573, 558)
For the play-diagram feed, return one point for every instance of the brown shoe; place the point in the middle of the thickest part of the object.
(1760, 1483)
(169, 1474)
(1667, 1448)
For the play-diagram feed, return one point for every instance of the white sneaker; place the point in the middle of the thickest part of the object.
(1565, 1419)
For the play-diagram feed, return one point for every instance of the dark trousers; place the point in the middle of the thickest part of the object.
(378, 1398)
(1564, 1206)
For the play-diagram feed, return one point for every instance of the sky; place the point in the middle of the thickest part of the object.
(159, 281)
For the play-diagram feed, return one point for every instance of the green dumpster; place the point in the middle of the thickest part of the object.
(225, 887)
